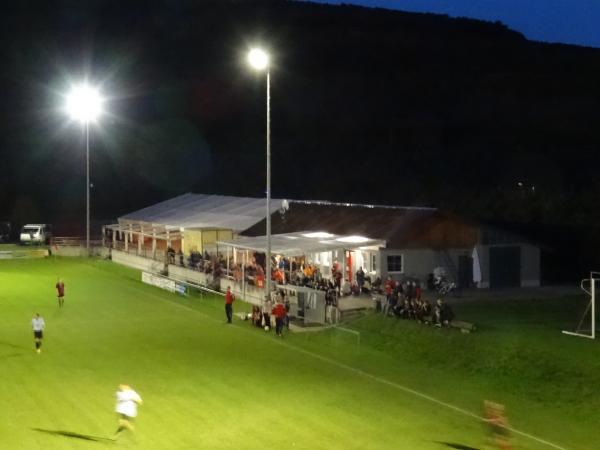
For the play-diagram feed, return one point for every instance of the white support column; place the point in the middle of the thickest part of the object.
(114, 238)
(227, 256)
(126, 236)
(140, 239)
(244, 275)
(168, 239)
(153, 243)
(103, 236)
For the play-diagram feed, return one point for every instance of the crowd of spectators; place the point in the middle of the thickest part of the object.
(404, 300)
(279, 309)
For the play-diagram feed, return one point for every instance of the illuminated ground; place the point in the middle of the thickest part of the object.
(208, 385)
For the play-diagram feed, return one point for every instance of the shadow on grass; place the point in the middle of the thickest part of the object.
(8, 344)
(71, 434)
(457, 446)
(15, 347)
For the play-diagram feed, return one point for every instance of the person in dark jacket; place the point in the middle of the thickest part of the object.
(443, 313)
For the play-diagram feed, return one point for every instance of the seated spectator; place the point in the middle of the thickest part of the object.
(376, 285)
(346, 288)
(256, 316)
(412, 313)
(426, 308)
(366, 287)
(402, 311)
(278, 276)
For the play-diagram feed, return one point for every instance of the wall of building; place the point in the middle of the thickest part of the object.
(192, 241)
(189, 275)
(419, 263)
(204, 240)
(483, 252)
(530, 266)
(210, 238)
(137, 262)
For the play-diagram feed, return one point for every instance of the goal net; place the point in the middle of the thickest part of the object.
(586, 327)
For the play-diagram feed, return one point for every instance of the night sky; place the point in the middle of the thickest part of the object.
(566, 21)
(368, 106)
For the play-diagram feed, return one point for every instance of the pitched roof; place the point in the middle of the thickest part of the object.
(205, 211)
(400, 227)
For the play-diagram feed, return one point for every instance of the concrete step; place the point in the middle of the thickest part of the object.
(351, 314)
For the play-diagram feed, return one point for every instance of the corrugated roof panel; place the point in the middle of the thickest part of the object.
(205, 211)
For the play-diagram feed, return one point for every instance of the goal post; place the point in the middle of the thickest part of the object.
(344, 337)
(588, 285)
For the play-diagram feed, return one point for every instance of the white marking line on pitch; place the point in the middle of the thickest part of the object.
(378, 379)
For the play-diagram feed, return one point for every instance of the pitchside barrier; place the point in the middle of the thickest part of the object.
(25, 253)
(176, 286)
(587, 324)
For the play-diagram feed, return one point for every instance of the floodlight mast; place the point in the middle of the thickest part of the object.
(259, 60)
(84, 104)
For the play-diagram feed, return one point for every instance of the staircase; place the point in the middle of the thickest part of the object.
(348, 315)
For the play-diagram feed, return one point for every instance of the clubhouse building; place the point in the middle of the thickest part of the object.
(179, 235)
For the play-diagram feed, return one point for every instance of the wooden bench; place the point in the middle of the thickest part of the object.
(464, 327)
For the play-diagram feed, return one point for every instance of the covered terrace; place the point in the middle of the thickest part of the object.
(326, 253)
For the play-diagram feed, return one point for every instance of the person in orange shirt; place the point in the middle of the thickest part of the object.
(229, 299)
(278, 276)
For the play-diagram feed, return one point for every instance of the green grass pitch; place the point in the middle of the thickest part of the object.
(208, 385)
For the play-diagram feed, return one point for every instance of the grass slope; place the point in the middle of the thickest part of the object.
(214, 386)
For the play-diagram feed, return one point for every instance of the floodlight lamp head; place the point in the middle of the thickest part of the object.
(258, 59)
(84, 103)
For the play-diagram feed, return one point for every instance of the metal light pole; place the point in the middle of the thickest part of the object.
(84, 105)
(87, 179)
(260, 61)
(268, 286)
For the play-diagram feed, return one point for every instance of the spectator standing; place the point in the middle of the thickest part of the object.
(360, 278)
(267, 307)
(229, 299)
(443, 313)
(389, 289)
(279, 313)
(418, 290)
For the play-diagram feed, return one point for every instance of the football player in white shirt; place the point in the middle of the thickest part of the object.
(38, 324)
(126, 408)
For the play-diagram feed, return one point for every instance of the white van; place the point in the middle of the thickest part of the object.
(36, 233)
